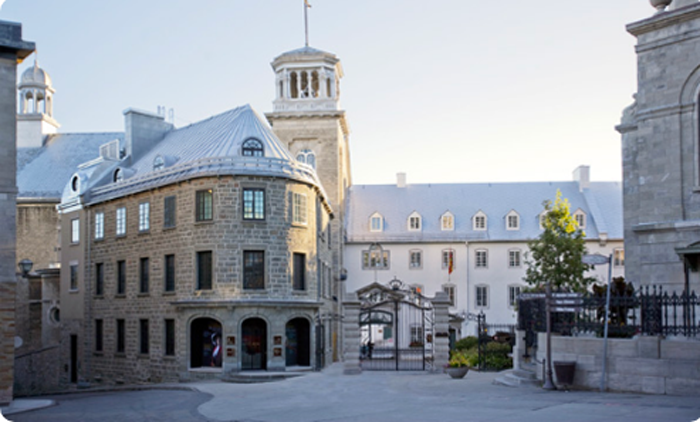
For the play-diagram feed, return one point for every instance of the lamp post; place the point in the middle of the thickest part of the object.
(25, 266)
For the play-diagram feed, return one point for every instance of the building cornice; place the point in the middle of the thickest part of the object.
(664, 19)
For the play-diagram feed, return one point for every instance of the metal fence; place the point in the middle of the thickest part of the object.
(649, 311)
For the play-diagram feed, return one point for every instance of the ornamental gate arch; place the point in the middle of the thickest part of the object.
(396, 328)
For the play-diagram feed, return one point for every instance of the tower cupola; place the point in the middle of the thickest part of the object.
(307, 79)
(35, 116)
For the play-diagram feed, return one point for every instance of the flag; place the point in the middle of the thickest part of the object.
(450, 263)
(306, 3)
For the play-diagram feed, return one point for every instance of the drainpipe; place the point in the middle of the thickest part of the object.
(468, 285)
(88, 292)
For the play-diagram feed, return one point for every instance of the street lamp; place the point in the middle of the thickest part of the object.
(25, 266)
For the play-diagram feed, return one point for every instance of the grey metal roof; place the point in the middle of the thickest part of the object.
(43, 172)
(208, 148)
(602, 203)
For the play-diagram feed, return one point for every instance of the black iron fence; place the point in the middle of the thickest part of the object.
(648, 311)
(393, 359)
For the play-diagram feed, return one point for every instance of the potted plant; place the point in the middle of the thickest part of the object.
(458, 366)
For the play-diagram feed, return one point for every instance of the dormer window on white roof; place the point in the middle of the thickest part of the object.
(252, 148)
(479, 222)
(415, 222)
(118, 175)
(580, 217)
(376, 222)
(447, 221)
(158, 163)
(513, 220)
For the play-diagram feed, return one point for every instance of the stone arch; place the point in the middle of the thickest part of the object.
(254, 331)
(298, 341)
(206, 349)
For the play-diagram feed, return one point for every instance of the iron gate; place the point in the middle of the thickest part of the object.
(396, 328)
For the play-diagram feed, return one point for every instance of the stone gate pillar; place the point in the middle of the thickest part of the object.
(351, 334)
(441, 327)
(12, 51)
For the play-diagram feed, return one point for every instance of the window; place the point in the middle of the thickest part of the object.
(121, 221)
(158, 163)
(252, 148)
(414, 222)
(376, 223)
(415, 259)
(254, 270)
(447, 221)
(204, 270)
(482, 298)
(480, 221)
(99, 279)
(307, 156)
(450, 290)
(144, 216)
(514, 258)
(143, 336)
(99, 335)
(99, 225)
(74, 275)
(121, 336)
(375, 260)
(299, 271)
(512, 221)
(580, 218)
(299, 209)
(448, 259)
(75, 230)
(619, 257)
(118, 175)
(204, 205)
(121, 277)
(143, 275)
(169, 212)
(481, 260)
(169, 270)
(416, 336)
(513, 293)
(253, 204)
(169, 337)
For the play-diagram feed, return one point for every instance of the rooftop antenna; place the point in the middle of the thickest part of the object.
(307, 6)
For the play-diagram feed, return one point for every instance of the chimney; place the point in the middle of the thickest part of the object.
(400, 180)
(142, 131)
(582, 175)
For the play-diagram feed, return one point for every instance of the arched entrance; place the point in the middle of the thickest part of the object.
(205, 343)
(254, 347)
(298, 345)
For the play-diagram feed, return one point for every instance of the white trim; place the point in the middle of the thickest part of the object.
(480, 217)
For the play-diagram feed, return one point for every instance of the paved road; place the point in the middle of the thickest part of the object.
(371, 396)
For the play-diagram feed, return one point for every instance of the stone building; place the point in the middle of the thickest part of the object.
(470, 239)
(661, 150)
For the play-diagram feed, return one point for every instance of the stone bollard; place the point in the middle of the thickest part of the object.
(441, 339)
(351, 334)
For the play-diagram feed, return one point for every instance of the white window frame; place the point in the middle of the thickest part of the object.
(372, 260)
(445, 259)
(619, 257)
(99, 225)
(513, 216)
(299, 209)
(376, 223)
(517, 262)
(75, 231)
(447, 221)
(480, 221)
(580, 217)
(513, 295)
(481, 262)
(412, 262)
(478, 303)
(414, 222)
(120, 221)
(451, 290)
(144, 216)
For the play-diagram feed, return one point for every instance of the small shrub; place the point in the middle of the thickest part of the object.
(466, 343)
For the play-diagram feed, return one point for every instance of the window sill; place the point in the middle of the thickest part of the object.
(73, 291)
(300, 225)
(120, 296)
(300, 292)
(75, 243)
(98, 240)
(203, 222)
(100, 297)
(120, 236)
(144, 232)
(120, 355)
(143, 355)
(169, 293)
(98, 354)
(168, 228)
(170, 358)
(143, 294)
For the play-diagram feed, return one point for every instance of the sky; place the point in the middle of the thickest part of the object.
(447, 91)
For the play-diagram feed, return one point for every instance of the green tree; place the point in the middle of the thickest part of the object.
(556, 255)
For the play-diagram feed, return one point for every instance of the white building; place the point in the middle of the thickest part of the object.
(413, 232)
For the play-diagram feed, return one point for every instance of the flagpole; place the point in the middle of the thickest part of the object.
(306, 22)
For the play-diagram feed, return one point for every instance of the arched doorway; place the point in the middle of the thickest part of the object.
(254, 347)
(298, 345)
(205, 343)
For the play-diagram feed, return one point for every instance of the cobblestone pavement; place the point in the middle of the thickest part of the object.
(371, 396)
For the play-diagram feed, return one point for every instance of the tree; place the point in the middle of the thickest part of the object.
(556, 255)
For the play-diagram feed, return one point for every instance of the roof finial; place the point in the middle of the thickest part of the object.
(307, 6)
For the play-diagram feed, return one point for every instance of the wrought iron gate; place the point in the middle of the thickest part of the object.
(396, 328)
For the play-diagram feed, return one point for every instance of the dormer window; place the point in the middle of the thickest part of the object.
(447, 221)
(75, 184)
(512, 221)
(252, 148)
(306, 156)
(118, 175)
(479, 221)
(414, 222)
(158, 163)
(376, 223)
(580, 218)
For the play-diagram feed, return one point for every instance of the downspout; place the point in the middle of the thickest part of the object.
(88, 287)
(466, 243)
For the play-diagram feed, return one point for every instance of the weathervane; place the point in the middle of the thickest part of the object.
(307, 6)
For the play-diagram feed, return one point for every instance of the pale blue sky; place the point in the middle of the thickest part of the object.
(446, 90)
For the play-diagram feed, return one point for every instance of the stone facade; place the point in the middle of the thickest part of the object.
(660, 149)
(38, 232)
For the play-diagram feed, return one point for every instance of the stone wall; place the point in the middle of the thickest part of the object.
(642, 365)
(38, 234)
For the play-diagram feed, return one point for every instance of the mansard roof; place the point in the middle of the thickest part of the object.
(602, 202)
